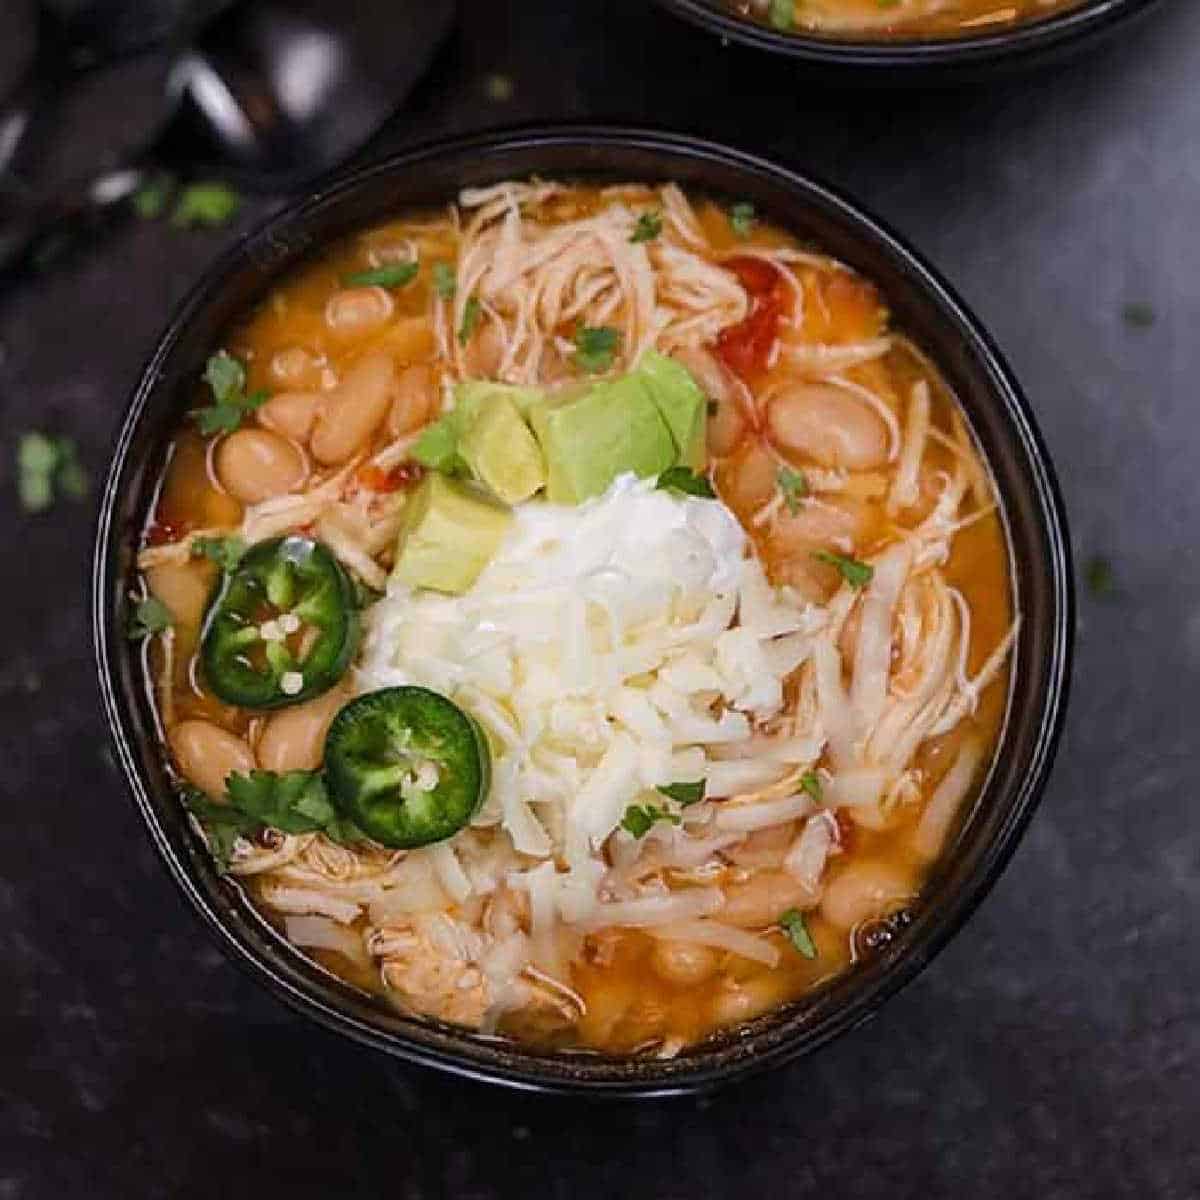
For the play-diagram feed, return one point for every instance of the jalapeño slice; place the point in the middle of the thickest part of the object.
(282, 627)
(407, 766)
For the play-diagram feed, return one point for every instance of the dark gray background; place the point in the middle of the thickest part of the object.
(1052, 1051)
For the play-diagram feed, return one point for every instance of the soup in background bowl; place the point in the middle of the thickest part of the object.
(577, 621)
(907, 19)
(915, 40)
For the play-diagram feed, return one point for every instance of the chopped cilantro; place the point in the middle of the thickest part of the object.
(151, 616)
(1100, 578)
(226, 552)
(810, 782)
(444, 282)
(226, 379)
(1139, 314)
(470, 318)
(499, 88)
(150, 200)
(639, 818)
(437, 447)
(792, 923)
(595, 347)
(794, 487)
(741, 219)
(395, 275)
(685, 794)
(857, 574)
(649, 226)
(207, 204)
(782, 14)
(684, 479)
(292, 802)
(48, 466)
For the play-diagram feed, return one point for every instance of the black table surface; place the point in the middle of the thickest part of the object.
(1052, 1051)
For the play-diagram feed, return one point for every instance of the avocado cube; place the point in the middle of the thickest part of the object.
(590, 439)
(499, 448)
(450, 533)
(472, 394)
(683, 406)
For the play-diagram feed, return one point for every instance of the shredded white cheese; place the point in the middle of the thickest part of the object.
(607, 648)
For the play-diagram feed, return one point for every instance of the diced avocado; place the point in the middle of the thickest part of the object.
(451, 531)
(499, 448)
(682, 403)
(472, 393)
(590, 439)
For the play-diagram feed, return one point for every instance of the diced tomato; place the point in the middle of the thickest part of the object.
(756, 275)
(399, 478)
(162, 532)
(847, 830)
(746, 347)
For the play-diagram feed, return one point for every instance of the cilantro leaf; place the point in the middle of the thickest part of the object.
(792, 923)
(684, 479)
(225, 376)
(209, 204)
(782, 14)
(222, 824)
(444, 281)
(437, 447)
(810, 782)
(741, 219)
(857, 574)
(1139, 315)
(150, 200)
(685, 794)
(226, 379)
(794, 487)
(291, 801)
(226, 552)
(649, 226)
(639, 818)
(470, 318)
(395, 275)
(151, 616)
(46, 466)
(1100, 577)
(595, 347)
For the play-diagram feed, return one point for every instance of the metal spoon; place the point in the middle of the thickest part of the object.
(270, 94)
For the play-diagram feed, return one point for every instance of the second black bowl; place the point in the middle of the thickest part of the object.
(920, 61)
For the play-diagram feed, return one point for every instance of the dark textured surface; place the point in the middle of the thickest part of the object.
(1052, 1051)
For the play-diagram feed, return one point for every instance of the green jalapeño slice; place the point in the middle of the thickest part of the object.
(282, 627)
(407, 766)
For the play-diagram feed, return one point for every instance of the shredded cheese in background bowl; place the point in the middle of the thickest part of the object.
(608, 649)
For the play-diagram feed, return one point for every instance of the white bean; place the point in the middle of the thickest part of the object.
(823, 423)
(207, 755)
(255, 464)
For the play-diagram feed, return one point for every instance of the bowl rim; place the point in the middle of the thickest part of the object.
(599, 1076)
(1029, 37)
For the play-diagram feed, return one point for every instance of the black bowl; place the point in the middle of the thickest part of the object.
(932, 60)
(922, 304)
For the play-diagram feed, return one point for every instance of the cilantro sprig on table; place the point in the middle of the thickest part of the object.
(48, 466)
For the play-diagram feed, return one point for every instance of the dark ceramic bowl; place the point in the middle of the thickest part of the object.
(940, 60)
(923, 306)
